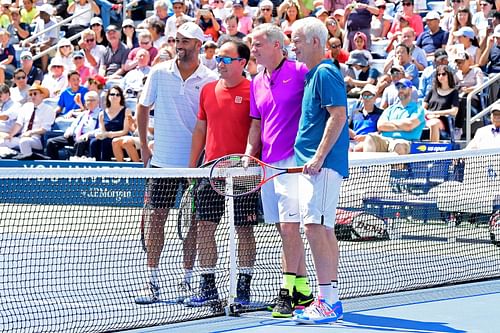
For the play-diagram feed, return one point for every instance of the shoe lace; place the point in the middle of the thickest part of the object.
(317, 307)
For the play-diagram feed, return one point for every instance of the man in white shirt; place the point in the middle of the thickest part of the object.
(179, 8)
(488, 136)
(94, 53)
(8, 111)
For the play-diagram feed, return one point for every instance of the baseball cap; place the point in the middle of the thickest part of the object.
(128, 23)
(56, 61)
(339, 12)
(177, 1)
(238, 3)
(397, 68)
(369, 88)
(96, 20)
(404, 83)
(357, 57)
(320, 11)
(112, 27)
(440, 54)
(6, 2)
(46, 8)
(495, 108)
(432, 15)
(64, 42)
(99, 78)
(466, 32)
(191, 30)
(78, 54)
(26, 54)
(496, 32)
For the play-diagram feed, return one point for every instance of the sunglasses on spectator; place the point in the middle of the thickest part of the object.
(331, 23)
(62, 46)
(90, 100)
(171, 40)
(218, 1)
(19, 77)
(482, 4)
(265, 9)
(89, 40)
(367, 96)
(34, 94)
(95, 25)
(26, 58)
(442, 74)
(407, 4)
(80, 58)
(226, 60)
(114, 94)
(56, 66)
(334, 46)
(128, 26)
(144, 42)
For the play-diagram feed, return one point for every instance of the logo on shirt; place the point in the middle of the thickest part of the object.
(286, 81)
(238, 99)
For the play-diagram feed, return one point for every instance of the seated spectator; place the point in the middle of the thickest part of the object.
(364, 120)
(64, 53)
(161, 11)
(321, 14)
(266, 11)
(170, 28)
(360, 43)
(245, 21)
(81, 22)
(208, 23)
(359, 73)
(145, 43)
(468, 79)
(18, 30)
(465, 37)
(67, 106)
(339, 14)
(47, 39)
(128, 143)
(96, 25)
(129, 35)
(207, 58)
(336, 52)
(55, 80)
(34, 74)
(94, 53)
(427, 77)
(79, 64)
(8, 111)
(80, 132)
(156, 29)
(115, 56)
(463, 18)
(289, 12)
(33, 120)
(20, 89)
(435, 37)
(7, 57)
(334, 30)
(219, 10)
(387, 85)
(133, 82)
(491, 54)
(489, 135)
(407, 37)
(113, 122)
(381, 22)
(398, 125)
(441, 102)
(414, 20)
(450, 14)
(403, 58)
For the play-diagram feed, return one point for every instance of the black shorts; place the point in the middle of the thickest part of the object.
(163, 192)
(210, 206)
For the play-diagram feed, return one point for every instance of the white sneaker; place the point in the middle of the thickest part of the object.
(149, 295)
(185, 291)
(319, 312)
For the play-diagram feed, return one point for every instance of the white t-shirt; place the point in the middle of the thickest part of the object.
(83, 19)
(171, 27)
(176, 107)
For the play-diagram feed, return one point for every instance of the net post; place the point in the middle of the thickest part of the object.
(229, 309)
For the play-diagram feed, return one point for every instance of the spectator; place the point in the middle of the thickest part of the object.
(434, 38)
(398, 125)
(67, 106)
(47, 39)
(5, 13)
(80, 132)
(161, 12)
(491, 54)
(488, 136)
(364, 120)
(336, 52)
(449, 19)
(129, 143)
(245, 22)
(468, 79)
(407, 37)
(414, 20)
(156, 29)
(65, 53)
(361, 44)
(402, 58)
(115, 57)
(339, 15)
(145, 43)
(33, 120)
(19, 92)
(463, 18)
(321, 14)
(35, 74)
(81, 22)
(208, 56)
(18, 30)
(129, 35)
(28, 12)
(381, 22)
(480, 18)
(220, 12)
(97, 83)
(7, 57)
(427, 77)
(291, 13)
(208, 23)
(133, 82)
(97, 27)
(441, 102)
(387, 85)
(113, 122)
(334, 29)
(179, 8)
(164, 54)
(79, 65)
(55, 79)
(359, 73)
(8, 111)
(231, 25)
(266, 12)
(465, 37)
(94, 53)
(359, 17)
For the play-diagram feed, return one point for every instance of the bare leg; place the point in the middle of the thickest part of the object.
(117, 149)
(156, 237)
(129, 146)
(246, 246)
(207, 247)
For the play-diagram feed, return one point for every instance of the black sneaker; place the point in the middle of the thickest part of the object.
(283, 307)
(243, 289)
(207, 294)
(149, 295)
(300, 300)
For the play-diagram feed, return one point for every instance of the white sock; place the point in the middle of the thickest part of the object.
(326, 293)
(335, 292)
(188, 276)
(154, 274)
(246, 270)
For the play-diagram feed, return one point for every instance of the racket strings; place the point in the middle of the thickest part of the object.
(246, 174)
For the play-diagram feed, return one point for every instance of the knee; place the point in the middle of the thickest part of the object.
(401, 149)
(289, 230)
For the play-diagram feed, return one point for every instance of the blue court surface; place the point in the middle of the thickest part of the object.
(471, 307)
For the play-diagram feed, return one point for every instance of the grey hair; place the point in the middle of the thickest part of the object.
(312, 27)
(264, 3)
(272, 32)
(161, 4)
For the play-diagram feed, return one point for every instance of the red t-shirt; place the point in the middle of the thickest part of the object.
(227, 113)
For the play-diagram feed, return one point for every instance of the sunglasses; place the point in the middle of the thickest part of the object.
(401, 86)
(366, 96)
(114, 95)
(334, 46)
(79, 58)
(20, 77)
(89, 40)
(64, 46)
(226, 60)
(91, 100)
(407, 4)
(26, 58)
(484, 4)
(95, 25)
(265, 9)
(331, 23)
(56, 66)
(145, 42)
(441, 74)
(171, 40)
(128, 26)
(34, 94)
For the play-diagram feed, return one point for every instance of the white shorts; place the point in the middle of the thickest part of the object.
(280, 195)
(319, 196)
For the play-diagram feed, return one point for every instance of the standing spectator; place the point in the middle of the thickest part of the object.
(113, 122)
(491, 54)
(97, 27)
(219, 10)
(7, 57)
(245, 22)
(175, 117)
(441, 102)
(50, 37)
(359, 17)
(480, 18)
(8, 111)
(55, 79)
(435, 37)
(488, 137)
(208, 23)
(35, 74)
(321, 147)
(179, 8)
(80, 132)
(19, 92)
(115, 57)
(94, 53)
(414, 20)
(81, 22)
(364, 120)
(33, 120)
(381, 22)
(398, 125)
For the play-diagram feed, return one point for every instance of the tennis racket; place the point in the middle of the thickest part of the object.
(248, 174)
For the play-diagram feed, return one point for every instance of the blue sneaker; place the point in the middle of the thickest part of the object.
(320, 312)
(149, 295)
(201, 299)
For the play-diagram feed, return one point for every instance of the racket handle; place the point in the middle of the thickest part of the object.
(295, 170)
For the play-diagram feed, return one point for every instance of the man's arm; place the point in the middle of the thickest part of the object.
(142, 126)
(197, 142)
(254, 142)
(333, 128)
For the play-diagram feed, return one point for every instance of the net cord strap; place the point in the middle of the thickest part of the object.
(232, 242)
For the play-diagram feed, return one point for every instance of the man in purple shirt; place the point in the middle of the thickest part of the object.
(275, 106)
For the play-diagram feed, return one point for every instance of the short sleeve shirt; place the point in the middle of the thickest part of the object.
(114, 60)
(324, 87)
(398, 112)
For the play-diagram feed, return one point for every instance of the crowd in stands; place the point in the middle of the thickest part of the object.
(72, 90)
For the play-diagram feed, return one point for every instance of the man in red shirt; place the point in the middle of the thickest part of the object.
(222, 128)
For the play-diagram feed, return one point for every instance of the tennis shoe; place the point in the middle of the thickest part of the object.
(243, 289)
(319, 312)
(185, 291)
(149, 295)
(283, 307)
(300, 300)
(205, 297)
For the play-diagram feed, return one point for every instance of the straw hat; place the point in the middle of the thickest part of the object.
(41, 89)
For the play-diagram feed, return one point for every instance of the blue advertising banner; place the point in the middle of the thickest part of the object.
(98, 191)
(419, 147)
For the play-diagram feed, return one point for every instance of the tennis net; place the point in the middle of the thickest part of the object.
(72, 260)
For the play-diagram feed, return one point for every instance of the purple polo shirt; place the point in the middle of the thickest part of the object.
(277, 102)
